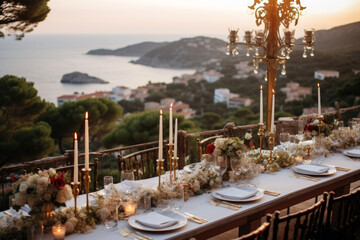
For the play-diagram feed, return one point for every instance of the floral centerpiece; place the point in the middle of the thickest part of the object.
(311, 128)
(43, 191)
(233, 146)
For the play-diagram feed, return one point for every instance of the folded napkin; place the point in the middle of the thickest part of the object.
(353, 152)
(155, 220)
(312, 168)
(234, 193)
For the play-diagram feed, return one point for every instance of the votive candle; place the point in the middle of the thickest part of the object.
(76, 154)
(129, 208)
(87, 141)
(58, 232)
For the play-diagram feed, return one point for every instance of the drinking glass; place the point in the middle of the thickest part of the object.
(319, 148)
(284, 140)
(220, 165)
(177, 196)
(235, 164)
(108, 181)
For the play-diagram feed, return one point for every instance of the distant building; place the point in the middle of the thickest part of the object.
(238, 102)
(122, 90)
(232, 100)
(66, 98)
(322, 74)
(152, 105)
(184, 109)
(165, 102)
(178, 107)
(185, 78)
(212, 75)
(139, 93)
(314, 110)
(294, 92)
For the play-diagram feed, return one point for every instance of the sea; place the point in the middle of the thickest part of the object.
(44, 59)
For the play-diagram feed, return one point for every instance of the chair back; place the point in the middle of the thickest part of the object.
(305, 224)
(202, 143)
(343, 215)
(261, 233)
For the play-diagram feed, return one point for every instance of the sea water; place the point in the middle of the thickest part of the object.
(44, 59)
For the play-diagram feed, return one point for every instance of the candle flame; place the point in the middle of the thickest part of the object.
(171, 105)
(86, 115)
(160, 112)
(75, 136)
(273, 91)
(260, 87)
(318, 84)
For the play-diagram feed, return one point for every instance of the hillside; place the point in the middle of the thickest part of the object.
(136, 50)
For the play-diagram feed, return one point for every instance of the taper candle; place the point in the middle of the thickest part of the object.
(176, 137)
(273, 112)
(261, 105)
(87, 141)
(160, 137)
(171, 124)
(76, 154)
(319, 101)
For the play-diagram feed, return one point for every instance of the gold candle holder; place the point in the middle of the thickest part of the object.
(175, 163)
(171, 152)
(271, 146)
(76, 191)
(308, 151)
(87, 181)
(320, 119)
(261, 134)
(159, 170)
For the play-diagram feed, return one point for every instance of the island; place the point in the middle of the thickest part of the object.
(81, 78)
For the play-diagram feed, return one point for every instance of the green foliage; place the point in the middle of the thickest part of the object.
(209, 119)
(69, 118)
(21, 16)
(20, 138)
(132, 106)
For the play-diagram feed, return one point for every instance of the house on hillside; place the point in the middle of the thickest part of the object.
(294, 92)
(212, 75)
(322, 74)
(238, 102)
(66, 98)
(232, 100)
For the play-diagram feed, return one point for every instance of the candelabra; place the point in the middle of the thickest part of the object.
(76, 191)
(175, 164)
(87, 181)
(320, 119)
(171, 152)
(261, 134)
(271, 146)
(276, 50)
(159, 170)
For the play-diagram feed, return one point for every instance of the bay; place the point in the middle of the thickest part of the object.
(44, 59)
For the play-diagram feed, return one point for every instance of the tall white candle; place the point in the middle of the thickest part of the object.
(261, 105)
(273, 112)
(87, 141)
(160, 136)
(170, 125)
(176, 138)
(76, 154)
(319, 101)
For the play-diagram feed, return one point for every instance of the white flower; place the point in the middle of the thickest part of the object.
(217, 152)
(43, 181)
(23, 187)
(20, 199)
(195, 186)
(52, 172)
(64, 194)
(211, 183)
(248, 136)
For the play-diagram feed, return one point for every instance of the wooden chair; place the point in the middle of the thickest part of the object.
(305, 224)
(202, 143)
(343, 216)
(261, 233)
(94, 172)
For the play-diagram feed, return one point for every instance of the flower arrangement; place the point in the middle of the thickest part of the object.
(43, 191)
(210, 148)
(312, 128)
(234, 146)
(200, 179)
(282, 159)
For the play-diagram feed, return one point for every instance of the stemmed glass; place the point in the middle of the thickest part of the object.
(284, 140)
(220, 166)
(127, 175)
(108, 181)
(235, 164)
(319, 148)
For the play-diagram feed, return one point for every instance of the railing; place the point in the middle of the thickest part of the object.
(108, 159)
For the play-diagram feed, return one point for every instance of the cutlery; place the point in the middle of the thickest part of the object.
(271, 193)
(142, 236)
(305, 177)
(223, 204)
(128, 234)
(196, 217)
(190, 218)
(7, 213)
(342, 169)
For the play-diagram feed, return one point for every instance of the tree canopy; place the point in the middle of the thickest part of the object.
(20, 138)
(21, 16)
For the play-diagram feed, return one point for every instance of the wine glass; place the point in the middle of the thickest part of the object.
(284, 140)
(319, 148)
(235, 164)
(220, 166)
(127, 175)
(108, 181)
(177, 196)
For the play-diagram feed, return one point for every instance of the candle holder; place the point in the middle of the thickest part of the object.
(271, 146)
(175, 163)
(171, 152)
(261, 134)
(308, 151)
(87, 181)
(76, 191)
(320, 119)
(159, 170)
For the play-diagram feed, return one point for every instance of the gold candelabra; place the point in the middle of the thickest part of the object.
(159, 170)
(87, 181)
(320, 119)
(76, 192)
(271, 146)
(261, 134)
(272, 14)
(175, 163)
(171, 152)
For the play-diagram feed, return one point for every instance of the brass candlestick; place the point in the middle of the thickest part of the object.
(261, 134)
(87, 181)
(271, 145)
(320, 119)
(76, 192)
(159, 170)
(171, 152)
(175, 163)
(308, 150)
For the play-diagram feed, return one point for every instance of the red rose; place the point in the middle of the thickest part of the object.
(325, 121)
(251, 144)
(311, 128)
(210, 148)
(58, 182)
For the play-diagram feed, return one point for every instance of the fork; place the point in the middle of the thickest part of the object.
(128, 235)
(216, 203)
(305, 177)
(136, 234)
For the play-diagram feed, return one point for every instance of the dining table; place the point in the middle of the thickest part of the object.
(291, 188)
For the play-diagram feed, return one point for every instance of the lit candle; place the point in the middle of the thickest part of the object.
(160, 136)
(261, 105)
(76, 154)
(170, 125)
(273, 112)
(175, 141)
(58, 232)
(319, 101)
(129, 208)
(87, 141)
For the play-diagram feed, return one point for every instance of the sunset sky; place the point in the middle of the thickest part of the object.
(191, 17)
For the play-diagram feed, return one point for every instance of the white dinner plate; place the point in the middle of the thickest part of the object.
(182, 222)
(257, 196)
(331, 171)
(350, 154)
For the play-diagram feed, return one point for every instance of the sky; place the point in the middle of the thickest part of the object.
(189, 17)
